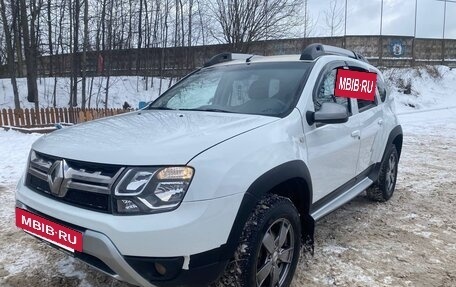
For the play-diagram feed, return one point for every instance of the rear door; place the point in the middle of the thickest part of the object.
(332, 148)
(369, 116)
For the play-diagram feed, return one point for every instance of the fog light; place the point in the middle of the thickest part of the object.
(160, 269)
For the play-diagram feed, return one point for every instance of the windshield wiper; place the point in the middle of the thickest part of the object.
(200, 110)
(208, 110)
(160, 108)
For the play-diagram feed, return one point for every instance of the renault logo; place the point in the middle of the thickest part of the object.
(56, 176)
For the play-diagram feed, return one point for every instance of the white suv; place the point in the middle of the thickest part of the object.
(220, 180)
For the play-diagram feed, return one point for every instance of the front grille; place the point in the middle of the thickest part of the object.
(38, 184)
(85, 185)
(89, 200)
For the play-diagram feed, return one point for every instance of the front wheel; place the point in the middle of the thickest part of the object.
(269, 248)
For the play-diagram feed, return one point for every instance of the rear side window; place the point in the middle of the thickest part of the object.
(364, 105)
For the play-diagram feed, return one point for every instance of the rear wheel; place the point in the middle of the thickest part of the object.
(268, 250)
(383, 189)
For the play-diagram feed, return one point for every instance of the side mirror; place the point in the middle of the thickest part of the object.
(329, 113)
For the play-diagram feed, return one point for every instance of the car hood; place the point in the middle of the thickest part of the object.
(147, 137)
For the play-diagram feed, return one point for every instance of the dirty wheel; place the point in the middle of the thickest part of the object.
(383, 189)
(268, 251)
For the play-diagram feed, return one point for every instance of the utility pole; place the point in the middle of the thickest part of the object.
(443, 33)
(381, 20)
(345, 24)
(416, 16)
(414, 33)
(444, 25)
(380, 48)
(305, 18)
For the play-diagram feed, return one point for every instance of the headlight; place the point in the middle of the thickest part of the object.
(151, 190)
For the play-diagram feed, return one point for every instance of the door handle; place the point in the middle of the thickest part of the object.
(356, 134)
(380, 122)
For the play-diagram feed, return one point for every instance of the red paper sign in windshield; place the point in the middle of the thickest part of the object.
(356, 85)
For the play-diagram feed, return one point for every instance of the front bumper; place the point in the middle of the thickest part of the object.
(100, 253)
(187, 241)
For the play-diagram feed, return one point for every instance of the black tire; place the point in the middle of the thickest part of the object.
(383, 189)
(273, 215)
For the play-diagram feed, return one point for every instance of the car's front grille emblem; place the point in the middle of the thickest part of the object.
(55, 178)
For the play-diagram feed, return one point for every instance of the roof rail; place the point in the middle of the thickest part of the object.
(227, 57)
(313, 51)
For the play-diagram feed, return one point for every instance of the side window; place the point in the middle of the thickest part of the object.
(325, 92)
(381, 87)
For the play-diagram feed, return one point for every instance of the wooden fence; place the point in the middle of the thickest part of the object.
(31, 118)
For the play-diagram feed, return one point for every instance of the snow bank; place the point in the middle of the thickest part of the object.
(422, 88)
(14, 148)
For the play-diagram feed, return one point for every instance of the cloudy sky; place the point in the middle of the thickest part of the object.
(398, 18)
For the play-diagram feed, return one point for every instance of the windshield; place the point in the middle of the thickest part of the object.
(262, 88)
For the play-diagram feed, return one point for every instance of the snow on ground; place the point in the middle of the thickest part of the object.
(430, 87)
(409, 241)
(12, 156)
(121, 90)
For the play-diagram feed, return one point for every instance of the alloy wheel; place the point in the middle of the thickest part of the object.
(391, 173)
(276, 254)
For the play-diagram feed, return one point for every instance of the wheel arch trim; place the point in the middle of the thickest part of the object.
(262, 185)
(395, 135)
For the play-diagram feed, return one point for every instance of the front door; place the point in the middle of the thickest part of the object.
(332, 148)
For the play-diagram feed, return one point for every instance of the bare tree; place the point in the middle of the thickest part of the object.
(109, 47)
(10, 51)
(78, 35)
(15, 13)
(30, 47)
(50, 42)
(203, 31)
(190, 22)
(84, 54)
(75, 8)
(309, 23)
(334, 18)
(242, 22)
